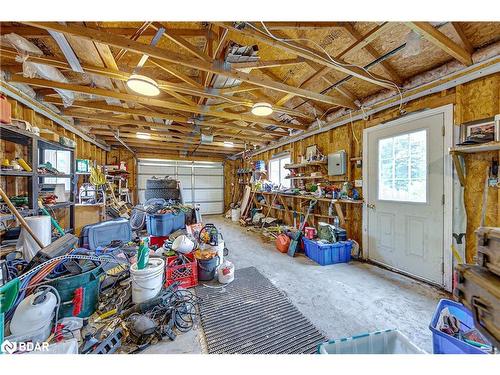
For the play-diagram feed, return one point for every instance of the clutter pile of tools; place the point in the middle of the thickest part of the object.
(107, 292)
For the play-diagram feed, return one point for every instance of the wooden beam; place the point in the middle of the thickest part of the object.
(150, 101)
(441, 41)
(35, 32)
(170, 57)
(181, 42)
(136, 35)
(316, 56)
(265, 64)
(301, 25)
(143, 112)
(363, 41)
(463, 38)
(165, 85)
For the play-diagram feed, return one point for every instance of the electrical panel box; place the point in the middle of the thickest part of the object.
(337, 163)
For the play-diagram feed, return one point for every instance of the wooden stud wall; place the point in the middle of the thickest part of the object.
(473, 101)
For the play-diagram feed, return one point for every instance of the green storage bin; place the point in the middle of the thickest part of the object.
(90, 281)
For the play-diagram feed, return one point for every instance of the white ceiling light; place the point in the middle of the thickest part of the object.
(143, 85)
(143, 135)
(262, 109)
(228, 144)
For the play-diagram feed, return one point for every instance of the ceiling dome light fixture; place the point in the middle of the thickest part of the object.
(228, 144)
(143, 135)
(143, 85)
(262, 109)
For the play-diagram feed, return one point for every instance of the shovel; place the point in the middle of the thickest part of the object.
(296, 236)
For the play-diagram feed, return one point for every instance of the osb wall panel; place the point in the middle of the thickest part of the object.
(477, 100)
(473, 101)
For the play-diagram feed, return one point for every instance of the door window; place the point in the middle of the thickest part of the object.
(277, 171)
(402, 167)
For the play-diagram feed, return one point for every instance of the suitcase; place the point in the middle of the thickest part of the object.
(488, 248)
(479, 290)
(101, 234)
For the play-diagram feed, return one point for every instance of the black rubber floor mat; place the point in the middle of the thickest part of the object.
(252, 316)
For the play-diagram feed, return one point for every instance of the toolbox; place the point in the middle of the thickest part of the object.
(101, 234)
(488, 248)
(479, 290)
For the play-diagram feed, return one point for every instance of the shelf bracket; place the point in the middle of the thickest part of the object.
(457, 162)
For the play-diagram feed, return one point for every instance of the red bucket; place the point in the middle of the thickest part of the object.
(309, 232)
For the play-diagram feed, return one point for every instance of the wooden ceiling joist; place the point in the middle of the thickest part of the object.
(316, 56)
(259, 64)
(363, 42)
(143, 112)
(150, 101)
(169, 57)
(441, 41)
(35, 32)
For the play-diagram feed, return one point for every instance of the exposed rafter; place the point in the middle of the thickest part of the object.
(150, 101)
(441, 41)
(175, 58)
(308, 53)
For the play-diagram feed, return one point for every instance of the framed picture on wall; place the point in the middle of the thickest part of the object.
(311, 152)
(482, 131)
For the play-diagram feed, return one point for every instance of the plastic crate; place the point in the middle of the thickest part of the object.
(390, 341)
(186, 274)
(164, 224)
(328, 253)
(443, 343)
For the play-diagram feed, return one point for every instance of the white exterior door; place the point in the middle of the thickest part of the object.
(202, 182)
(405, 196)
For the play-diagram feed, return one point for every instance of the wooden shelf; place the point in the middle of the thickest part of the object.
(307, 178)
(306, 164)
(16, 173)
(346, 201)
(458, 151)
(54, 175)
(484, 147)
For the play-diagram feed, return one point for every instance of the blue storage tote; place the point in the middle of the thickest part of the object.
(164, 224)
(390, 341)
(328, 253)
(443, 343)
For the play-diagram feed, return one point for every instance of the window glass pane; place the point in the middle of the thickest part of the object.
(60, 160)
(284, 172)
(274, 171)
(402, 167)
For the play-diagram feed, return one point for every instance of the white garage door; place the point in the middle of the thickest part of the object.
(202, 182)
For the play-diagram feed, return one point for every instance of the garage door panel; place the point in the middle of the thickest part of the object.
(202, 182)
(185, 171)
(211, 208)
(157, 170)
(185, 181)
(206, 195)
(208, 171)
(209, 181)
(187, 195)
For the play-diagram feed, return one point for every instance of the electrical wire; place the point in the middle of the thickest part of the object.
(332, 60)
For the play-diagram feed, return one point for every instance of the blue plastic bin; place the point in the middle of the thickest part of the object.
(164, 224)
(443, 343)
(328, 253)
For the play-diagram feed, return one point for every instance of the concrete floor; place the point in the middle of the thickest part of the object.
(341, 300)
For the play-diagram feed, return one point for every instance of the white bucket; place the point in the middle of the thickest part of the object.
(235, 214)
(146, 283)
(183, 244)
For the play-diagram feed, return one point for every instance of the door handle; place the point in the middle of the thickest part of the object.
(370, 205)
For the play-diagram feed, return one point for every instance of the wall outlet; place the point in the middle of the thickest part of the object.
(358, 183)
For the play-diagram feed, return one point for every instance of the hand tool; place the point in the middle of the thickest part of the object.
(296, 236)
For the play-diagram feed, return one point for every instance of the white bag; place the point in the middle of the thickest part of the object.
(225, 272)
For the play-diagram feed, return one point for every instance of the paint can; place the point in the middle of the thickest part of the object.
(310, 232)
